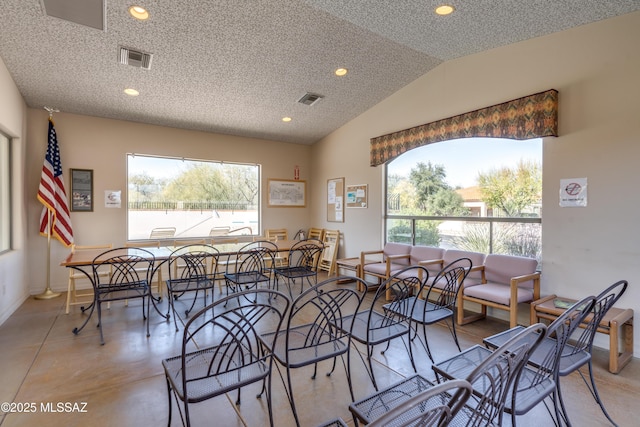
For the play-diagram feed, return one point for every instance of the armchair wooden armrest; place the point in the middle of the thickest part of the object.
(395, 257)
(431, 262)
(392, 258)
(515, 281)
(365, 253)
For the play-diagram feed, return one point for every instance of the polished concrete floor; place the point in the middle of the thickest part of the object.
(52, 377)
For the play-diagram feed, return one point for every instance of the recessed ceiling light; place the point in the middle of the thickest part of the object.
(139, 12)
(131, 92)
(445, 9)
(341, 72)
(286, 119)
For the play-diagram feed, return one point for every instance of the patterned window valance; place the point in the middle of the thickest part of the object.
(533, 116)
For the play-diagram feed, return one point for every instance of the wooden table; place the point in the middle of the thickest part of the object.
(617, 323)
(85, 258)
(82, 261)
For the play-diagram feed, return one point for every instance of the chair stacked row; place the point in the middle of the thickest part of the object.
(514, 372)
(495, 280)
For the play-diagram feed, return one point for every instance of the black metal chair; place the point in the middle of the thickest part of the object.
(314, 331)
(374, 325)
(301, 263)
(438, 303)
(222, 349)
(490, 374)
(190, 270)
(577, 351)
(131, 272)
(250, 266)
(536, 382)
(436, 406)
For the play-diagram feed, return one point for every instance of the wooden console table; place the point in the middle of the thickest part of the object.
(617, 323)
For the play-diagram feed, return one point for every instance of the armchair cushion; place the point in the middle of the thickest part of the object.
(502, 268)
(428, 257)
(498, 293)
(477, 260)
(425, 253)
(396, 255)
(393, 249)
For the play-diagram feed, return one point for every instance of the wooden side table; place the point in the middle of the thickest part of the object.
(351, 264)
(617, 323)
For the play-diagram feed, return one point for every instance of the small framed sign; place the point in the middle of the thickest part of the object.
(81, 190)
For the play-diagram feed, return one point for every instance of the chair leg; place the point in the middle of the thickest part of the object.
(426, 342)
(71, 287)
(594, 392)
(147, 319)
(100, 321)
(453, 331)
(369, 357)
(290, 395)
(169, 396)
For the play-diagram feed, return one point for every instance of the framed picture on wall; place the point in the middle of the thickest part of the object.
(81, 190)
(285, 193)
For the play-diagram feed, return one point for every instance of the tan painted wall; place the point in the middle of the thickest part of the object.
(596, 69)
(102, 144)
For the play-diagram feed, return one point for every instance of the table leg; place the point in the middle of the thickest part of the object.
(620, 327)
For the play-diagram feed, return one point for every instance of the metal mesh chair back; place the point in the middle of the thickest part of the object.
(493, 378)
(379, 322)
(251, 265)
(315, 327)
(440, 299)
(305, 254)
(315, 331)
(131, 273)
(435, 406)
(223, 350)
(604, 301)
(540, 379)
(191, 269)
(447, 283)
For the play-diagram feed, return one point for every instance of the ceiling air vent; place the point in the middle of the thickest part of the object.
(310, 98)
(135, 58)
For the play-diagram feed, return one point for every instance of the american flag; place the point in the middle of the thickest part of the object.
(52, 195)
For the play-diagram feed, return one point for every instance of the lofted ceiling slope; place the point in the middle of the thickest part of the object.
(239, 67)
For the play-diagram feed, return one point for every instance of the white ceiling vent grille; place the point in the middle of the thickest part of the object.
(135, 58)
(310, 98)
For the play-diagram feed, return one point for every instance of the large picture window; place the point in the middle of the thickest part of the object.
(5, 193)
(476, 194)
(188, 198)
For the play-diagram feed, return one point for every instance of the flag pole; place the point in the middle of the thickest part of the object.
(48, 293)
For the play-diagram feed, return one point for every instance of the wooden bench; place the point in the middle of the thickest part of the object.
(617, 323)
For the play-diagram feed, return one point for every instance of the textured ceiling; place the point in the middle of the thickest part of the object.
(238, 66)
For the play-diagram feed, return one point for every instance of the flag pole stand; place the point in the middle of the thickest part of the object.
(48, 293)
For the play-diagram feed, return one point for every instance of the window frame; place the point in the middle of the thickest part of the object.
(240, 231)
(492, 223)
(6, 199)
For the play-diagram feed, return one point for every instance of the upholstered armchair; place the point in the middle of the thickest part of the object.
(505, 282)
